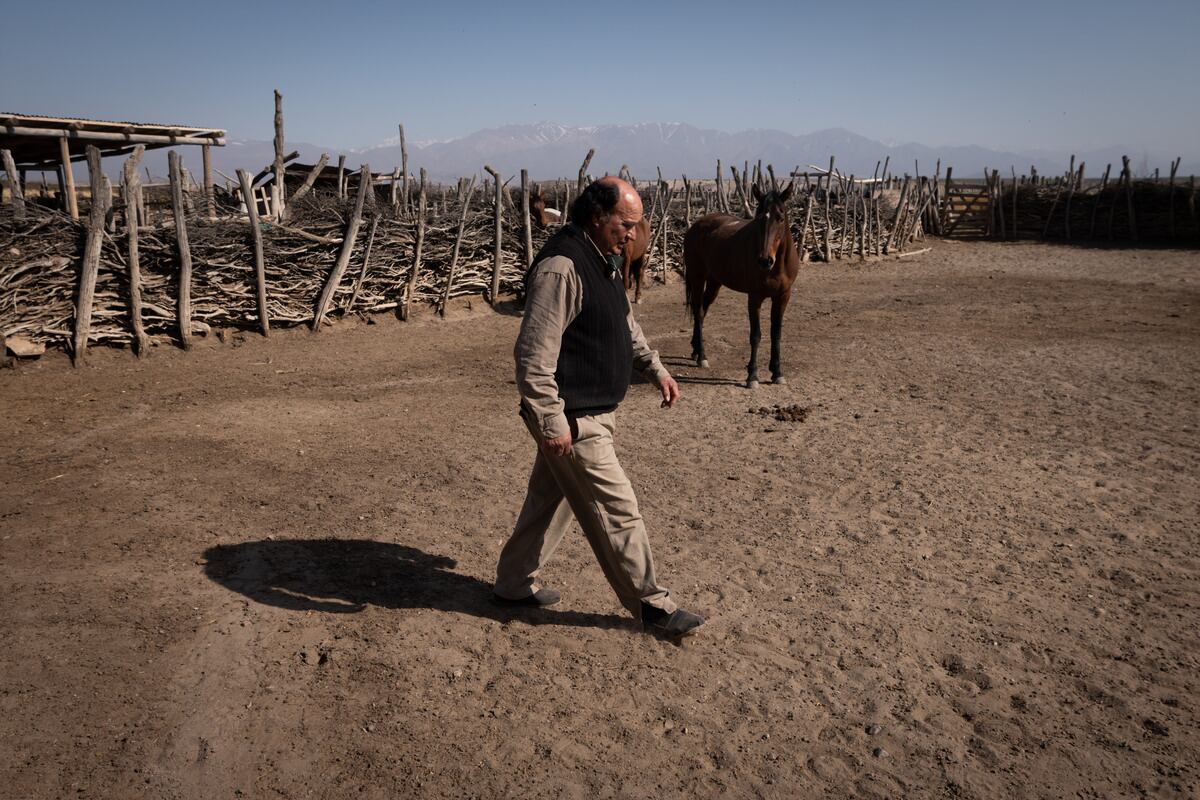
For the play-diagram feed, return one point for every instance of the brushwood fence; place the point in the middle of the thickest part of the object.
(133, 274)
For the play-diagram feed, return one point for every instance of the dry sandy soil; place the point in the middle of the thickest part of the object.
(261, 569)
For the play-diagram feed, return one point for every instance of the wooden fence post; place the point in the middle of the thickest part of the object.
(687, 203)
(278, 189)
(64, 151)
(90, 266)
(184, 300)
(210, 200)
(1129, 198)
(132, 190)
(583, 171)
(404, 170)
(1096, 204)
(341, 177)
(497, 255)
(362, 273)
(343, 259)
(14, 185)
(462, 226)
(527, 227)
(1171, 196)
(668, 194)
(306, 187)
(412, 278)
(260, 272)
(1076, 182)
(828, 217)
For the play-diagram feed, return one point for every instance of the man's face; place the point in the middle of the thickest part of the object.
(611, 231)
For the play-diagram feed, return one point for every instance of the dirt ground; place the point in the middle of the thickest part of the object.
(960, 559)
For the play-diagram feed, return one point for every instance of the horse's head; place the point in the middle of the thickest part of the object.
(537, 208)
(773, 217)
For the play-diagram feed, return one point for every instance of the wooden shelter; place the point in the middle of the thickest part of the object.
(51, 143)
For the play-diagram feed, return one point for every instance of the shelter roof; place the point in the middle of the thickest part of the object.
(35, 140)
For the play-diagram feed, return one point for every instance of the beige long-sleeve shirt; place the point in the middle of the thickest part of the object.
(554, 297)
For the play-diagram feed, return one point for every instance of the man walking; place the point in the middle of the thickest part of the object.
(577, 347)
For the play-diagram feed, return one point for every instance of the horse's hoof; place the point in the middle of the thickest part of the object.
(702, 363)
(779, 380)
(751, 384)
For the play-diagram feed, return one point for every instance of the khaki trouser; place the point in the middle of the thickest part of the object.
(589, 486)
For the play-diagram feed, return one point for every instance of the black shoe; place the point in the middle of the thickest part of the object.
(676, 625)
(542, 597)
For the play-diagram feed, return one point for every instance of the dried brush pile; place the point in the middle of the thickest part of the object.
(40, 256)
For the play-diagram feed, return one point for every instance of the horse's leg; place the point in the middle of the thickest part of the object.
(711, 288)
(693, 276)
(753, 305)
(637, 279)
(778, 305)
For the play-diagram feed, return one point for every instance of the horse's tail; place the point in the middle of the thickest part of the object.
(691, 297)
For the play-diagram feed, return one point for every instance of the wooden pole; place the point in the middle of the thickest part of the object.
(278, 190)
(132, 190)
(1015, 228)
(210, 200)
(687, 202)
(1171, 196)
(1050, 213)
(90, 266)
(997, 197)
(804, 227)
(416, 269)
(891, 236)
(404, 169)
(395, 190)
(1096, 205)
(1129, 198)
(583, 171)
(309, 180)
(186, 178)
(260, 271)
(64, 152)
(528, 224)
(343, 259)
(184, 298)
(362, 273)
(462, 226)
(341, 178)
(499, 225)
(722, 205)
(14, 186)
(668, 193)
(1076, 182)
(828, 217)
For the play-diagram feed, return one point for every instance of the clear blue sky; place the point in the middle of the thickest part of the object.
(1005, 75)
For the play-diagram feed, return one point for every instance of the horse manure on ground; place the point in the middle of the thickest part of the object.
(789, 413)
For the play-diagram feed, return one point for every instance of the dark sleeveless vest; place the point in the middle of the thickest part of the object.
(596, 356)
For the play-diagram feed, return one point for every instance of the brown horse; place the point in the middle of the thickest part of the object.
(634, 258)
(755, 256)
(544, 217)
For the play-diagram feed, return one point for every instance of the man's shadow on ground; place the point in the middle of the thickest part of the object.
(344, 576)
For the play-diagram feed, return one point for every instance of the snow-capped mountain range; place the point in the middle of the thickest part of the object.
(551, 150)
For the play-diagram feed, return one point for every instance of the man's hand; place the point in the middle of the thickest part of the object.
(670, 391)
(558, 446)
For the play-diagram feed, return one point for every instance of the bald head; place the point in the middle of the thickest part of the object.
(625, 192)
(608, 210)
